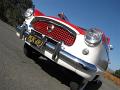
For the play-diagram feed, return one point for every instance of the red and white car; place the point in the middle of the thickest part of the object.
(85, 52)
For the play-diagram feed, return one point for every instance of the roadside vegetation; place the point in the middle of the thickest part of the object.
(11, 11)
(113, 77)
(117, 73)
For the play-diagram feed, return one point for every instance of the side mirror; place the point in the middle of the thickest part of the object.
(110, 47)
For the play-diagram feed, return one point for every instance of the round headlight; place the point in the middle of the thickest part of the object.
(28, 12)
(93, 37)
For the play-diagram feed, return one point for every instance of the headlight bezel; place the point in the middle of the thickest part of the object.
(29, 12)
(93, 37)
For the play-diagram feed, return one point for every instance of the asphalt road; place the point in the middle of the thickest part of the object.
(17, 72)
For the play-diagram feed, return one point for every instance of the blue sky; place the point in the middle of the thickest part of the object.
(103, 14)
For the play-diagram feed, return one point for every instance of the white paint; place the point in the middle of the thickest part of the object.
(95, 53)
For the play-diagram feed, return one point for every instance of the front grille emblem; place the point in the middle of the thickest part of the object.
(50, 27)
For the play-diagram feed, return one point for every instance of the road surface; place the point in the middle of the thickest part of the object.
(17, 72)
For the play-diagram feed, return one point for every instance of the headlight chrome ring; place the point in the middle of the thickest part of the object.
(29, 12)
(93, 37)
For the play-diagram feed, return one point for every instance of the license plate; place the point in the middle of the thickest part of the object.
(34, 40)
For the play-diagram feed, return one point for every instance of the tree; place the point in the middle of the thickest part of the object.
(12, 10)
(117, 73)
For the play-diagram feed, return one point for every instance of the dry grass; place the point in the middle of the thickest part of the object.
(109, 76)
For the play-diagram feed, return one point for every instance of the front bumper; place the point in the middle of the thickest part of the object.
(71, 59)
(56, 53)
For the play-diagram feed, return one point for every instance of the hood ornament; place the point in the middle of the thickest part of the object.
(50, 27)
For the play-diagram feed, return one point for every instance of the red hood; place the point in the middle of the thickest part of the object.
(80, 30)
(38, 13)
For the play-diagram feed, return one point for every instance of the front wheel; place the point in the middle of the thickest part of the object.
(30, 52)
(74, 85)
(93, 85)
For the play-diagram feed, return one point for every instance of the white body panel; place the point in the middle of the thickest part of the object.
(97, 55)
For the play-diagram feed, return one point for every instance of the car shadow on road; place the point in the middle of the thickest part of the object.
(60, 73)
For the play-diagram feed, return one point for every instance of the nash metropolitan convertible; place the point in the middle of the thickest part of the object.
(84, 52)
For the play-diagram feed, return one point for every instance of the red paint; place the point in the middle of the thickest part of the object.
(80, 30)
(105, 39)
(108, 40)
(38, 13)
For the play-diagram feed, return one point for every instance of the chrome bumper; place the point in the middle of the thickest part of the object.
(70, 59)
(58, 53)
